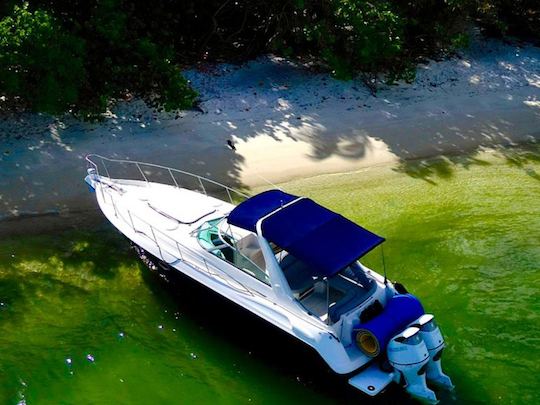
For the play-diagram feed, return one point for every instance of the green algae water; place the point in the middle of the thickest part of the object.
(82, 322)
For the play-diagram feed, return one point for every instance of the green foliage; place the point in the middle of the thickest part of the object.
(45, 67)
(171, 89)
(354, 35)
(371, 31)
(370, 37)
(514, 17)
(131, 64)
(83, 55)
(460, 41)
(405, 72)
(41, 65)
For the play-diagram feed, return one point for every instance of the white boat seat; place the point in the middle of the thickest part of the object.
(297, 274)
(249, 257)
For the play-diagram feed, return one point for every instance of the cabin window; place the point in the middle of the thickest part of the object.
(243, 252)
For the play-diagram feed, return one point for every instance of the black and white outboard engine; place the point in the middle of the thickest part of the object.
(432, 337)
(408, 354)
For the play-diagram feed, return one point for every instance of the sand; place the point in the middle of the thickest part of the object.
(285, 122)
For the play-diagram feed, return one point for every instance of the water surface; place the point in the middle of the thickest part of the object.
(82, 322)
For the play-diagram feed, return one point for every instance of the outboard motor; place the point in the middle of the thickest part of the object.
(432, 336)
(408, 354)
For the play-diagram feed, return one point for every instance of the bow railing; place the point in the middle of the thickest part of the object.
(149, 172)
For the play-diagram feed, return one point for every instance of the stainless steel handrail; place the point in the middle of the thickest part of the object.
(186, 255)
(170, 170)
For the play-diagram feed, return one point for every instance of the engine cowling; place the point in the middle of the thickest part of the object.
(408, 354)
(432, 336)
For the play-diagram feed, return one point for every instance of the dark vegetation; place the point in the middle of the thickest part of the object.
(81, 55)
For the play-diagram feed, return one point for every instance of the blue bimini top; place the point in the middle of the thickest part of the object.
(327, 242)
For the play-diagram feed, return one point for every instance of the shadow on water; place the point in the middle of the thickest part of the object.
(69, 294)
(522, 157)
(49, 269)
(46, 284)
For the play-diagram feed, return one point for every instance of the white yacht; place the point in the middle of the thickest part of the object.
(285, 258)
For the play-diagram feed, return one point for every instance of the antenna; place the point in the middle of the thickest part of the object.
(268, 181)
(384, 265)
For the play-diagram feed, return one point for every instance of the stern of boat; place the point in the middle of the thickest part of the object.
(411, 358)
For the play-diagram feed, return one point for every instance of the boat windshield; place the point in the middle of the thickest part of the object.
(236, 246)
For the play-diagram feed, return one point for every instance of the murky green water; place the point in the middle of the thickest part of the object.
(463, 234)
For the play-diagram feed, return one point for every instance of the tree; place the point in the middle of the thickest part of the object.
(41, 65)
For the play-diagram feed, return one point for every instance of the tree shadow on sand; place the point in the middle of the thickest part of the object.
(343, 119)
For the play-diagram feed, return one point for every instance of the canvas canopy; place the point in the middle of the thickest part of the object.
(327, 242)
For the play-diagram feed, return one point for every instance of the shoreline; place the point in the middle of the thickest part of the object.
(285, 123)
(44, 223)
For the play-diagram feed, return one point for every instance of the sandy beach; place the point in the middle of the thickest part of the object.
(284, 121)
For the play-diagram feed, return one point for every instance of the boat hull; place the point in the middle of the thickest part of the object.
(166, 225)
(191, 260)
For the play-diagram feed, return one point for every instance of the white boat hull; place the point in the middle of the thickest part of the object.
(126, 209)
